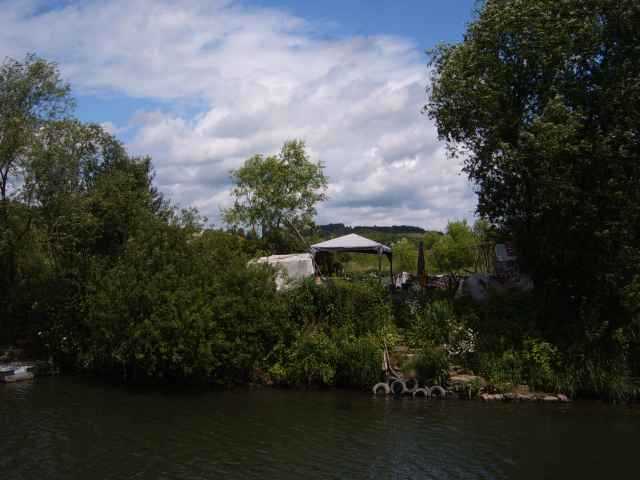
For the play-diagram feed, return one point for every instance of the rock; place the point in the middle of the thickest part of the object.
(478, 285)
(465, 379)
(498, 396)
(563, 398)
(549, 398)
(486, 397)
(525, 396)
(510, 396)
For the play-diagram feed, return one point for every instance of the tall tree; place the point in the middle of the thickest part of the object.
(31, 94)
(454, 252)
(542, 98)
(277, 194)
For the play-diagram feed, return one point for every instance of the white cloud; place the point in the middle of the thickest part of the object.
(259, 77)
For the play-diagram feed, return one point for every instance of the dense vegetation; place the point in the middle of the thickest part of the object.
(102, 273)
(543, 99)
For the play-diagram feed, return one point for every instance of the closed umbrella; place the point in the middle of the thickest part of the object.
(422, 277)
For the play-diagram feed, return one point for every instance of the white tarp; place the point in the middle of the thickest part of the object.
(351, 243)
(292, 267)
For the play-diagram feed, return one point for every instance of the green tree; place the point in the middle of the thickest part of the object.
(31, 94)
(454, 252)
(543, 99)
(405, 256)
(276, 196)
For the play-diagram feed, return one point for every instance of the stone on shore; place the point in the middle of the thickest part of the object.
(465, 379)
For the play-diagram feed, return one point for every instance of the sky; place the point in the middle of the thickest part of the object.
(201, 85)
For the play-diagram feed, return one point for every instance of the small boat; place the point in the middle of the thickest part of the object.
(16, 374)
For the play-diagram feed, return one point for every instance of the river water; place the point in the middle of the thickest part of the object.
(68, 428)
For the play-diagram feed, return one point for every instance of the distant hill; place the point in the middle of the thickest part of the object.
(386, 235)
(337, 229)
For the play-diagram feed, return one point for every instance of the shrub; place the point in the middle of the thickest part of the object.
(430, 323)
(536, 365)
(361, 307)
(541, 363)
(312, 360)
(359, 362)
(431, 365)
(503, 370)
(179, 307)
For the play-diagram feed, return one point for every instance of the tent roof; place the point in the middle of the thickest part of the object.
(351, 243)
(290, 257)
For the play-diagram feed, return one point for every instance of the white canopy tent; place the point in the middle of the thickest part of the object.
(356, 244)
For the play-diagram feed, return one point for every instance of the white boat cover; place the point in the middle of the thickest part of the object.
(292, 267)
(351, 243)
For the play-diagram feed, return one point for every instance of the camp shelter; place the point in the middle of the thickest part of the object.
(356, 244)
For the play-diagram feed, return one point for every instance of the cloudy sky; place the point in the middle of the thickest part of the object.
(200, 85)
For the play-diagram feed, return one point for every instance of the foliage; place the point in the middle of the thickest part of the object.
(177, 306)
(405, 256)
(336, 336)
(31, 93)
(430, 323)
(312, 360)
(504, 370)
(101, 272)
(453, 253)
(336, 358)
(362, 307)
(359, 361)
(542, 362)
(277, 194)
(431, 365)
(542, 98)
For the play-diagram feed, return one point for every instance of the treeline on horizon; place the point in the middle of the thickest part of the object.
(336, 229)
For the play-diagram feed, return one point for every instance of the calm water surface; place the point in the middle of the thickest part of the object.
(59, 428)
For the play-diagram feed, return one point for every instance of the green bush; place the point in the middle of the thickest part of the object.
(431, 365)
(311, 360)
(178, 306)
(360, 307)
(345, 323)
(430, 323)
(359, 362)
(504, 370)
(542, 362)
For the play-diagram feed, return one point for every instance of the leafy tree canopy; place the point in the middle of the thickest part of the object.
(405, 256)
(31, 92)
(543, 99)
(454, 252)
(277, 194)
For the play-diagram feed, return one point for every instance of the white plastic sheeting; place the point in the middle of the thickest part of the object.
(292, 267)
